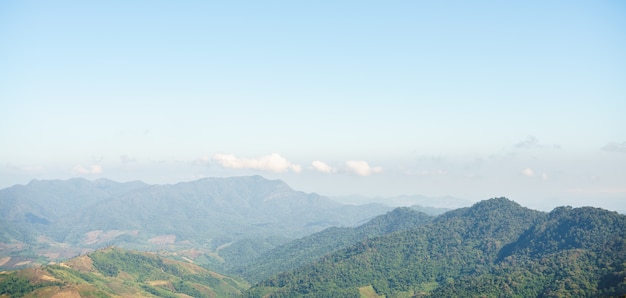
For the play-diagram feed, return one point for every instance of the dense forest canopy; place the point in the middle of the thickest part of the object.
(494, 248)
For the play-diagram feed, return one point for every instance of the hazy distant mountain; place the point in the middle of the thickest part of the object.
(444, 202)
(310, 248)
(208, 213)
(496, 248)
(205, 209)
(45, 201)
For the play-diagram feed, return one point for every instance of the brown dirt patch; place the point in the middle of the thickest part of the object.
(4, 260)
(67, 293)
(82, 263)
(48, 278)
(23, 263)
(91, 237)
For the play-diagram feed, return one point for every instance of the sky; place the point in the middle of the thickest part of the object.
(473, 99)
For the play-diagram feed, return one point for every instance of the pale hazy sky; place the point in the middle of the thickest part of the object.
(523, 99)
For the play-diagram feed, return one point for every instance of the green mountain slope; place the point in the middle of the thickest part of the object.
(305, 250)
(494, 248)
(114, 272)
(577, 252)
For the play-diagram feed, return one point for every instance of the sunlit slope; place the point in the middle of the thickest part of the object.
(114, 272)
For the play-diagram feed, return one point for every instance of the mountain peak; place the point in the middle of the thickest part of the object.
(254, 187)
(257, 179)
(503, 208)
(498, 202)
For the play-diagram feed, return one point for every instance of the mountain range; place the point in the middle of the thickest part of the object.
(253, 237)
(46, 220)
(435, 204)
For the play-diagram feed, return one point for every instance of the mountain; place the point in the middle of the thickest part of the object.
(494, 248)
(574, 252)
(206, 209)
(47, 220)
(435, 204)
(432, 211)
(114, 272)
(310, 248)
(27, 209)
(45, 201)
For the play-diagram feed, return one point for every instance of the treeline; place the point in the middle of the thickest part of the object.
(14, 285)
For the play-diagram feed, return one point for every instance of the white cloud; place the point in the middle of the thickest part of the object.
(532, 142)
(544, 176)
(615, 147)
(273, 163)
(362, 168)
(321, 166)
(528, 172)
(25, 169)
(92, 170)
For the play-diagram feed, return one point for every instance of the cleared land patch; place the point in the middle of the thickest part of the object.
(163, 239)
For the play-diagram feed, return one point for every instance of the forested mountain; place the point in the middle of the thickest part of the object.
(494, 248)
(574, 252)
(55, 219)
(115, 272)
(305, 250)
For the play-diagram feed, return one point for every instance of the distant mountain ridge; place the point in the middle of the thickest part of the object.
(53, 199)
(442, 202)
(49, 215)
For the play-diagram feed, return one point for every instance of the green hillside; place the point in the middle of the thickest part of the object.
(577, 252)
(496, 248)
(115, 272)
(308, 249)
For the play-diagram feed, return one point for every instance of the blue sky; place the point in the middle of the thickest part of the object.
(473, 99)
